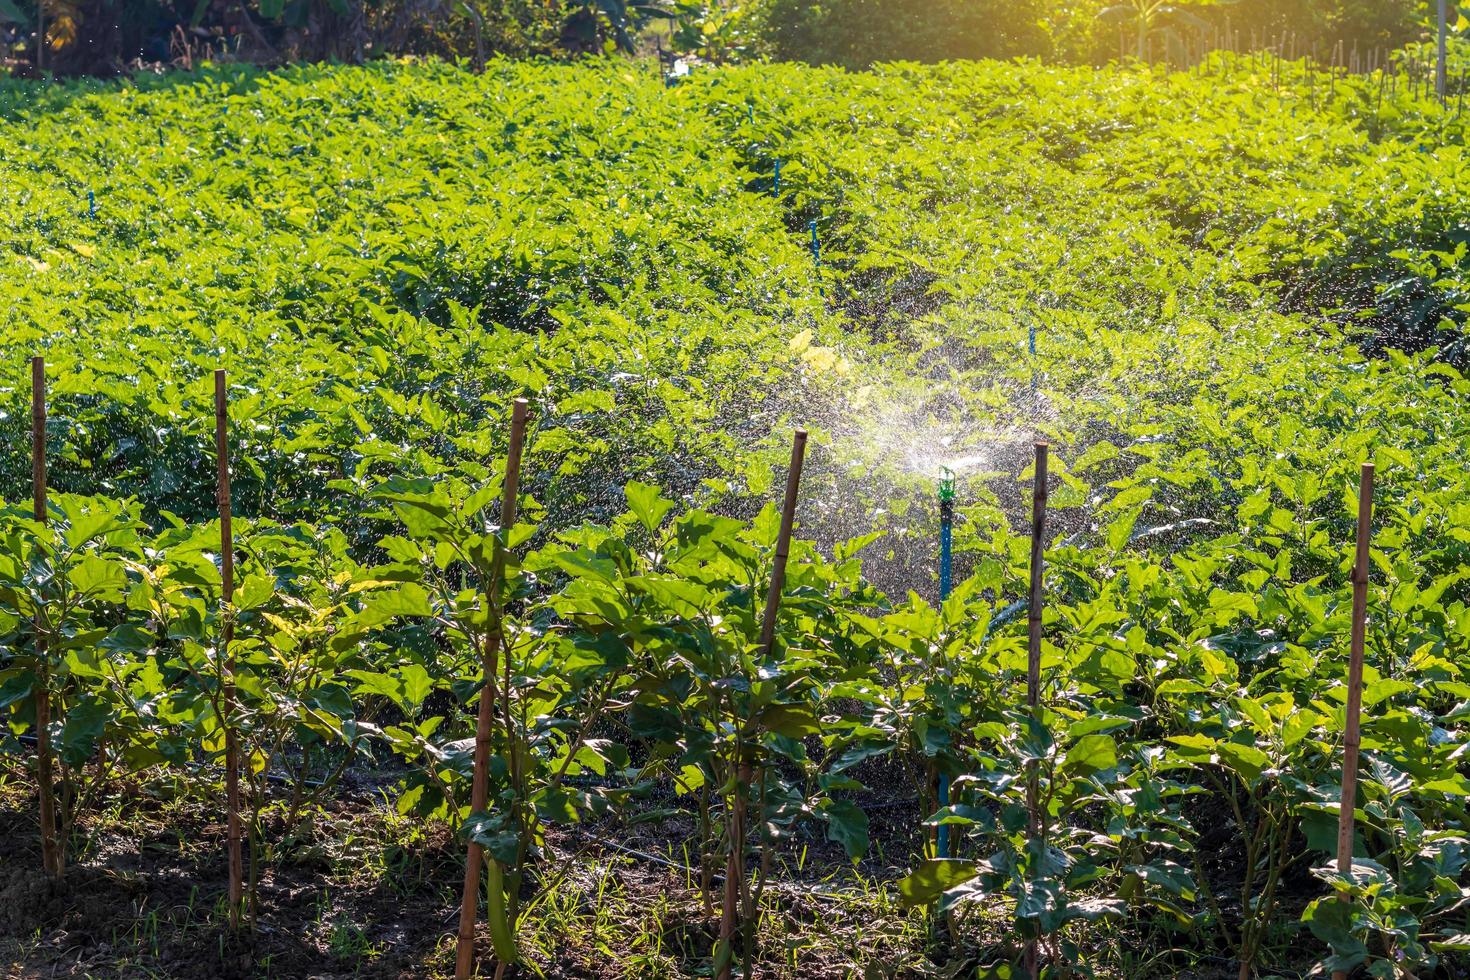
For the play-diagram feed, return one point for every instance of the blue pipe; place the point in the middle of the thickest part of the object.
(946, 538)
(91, 205)
(1031, 344)
(776, 184)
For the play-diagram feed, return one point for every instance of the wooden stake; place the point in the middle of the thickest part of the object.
(53, 858)
(226, 651)
(1033, 655)
(1350, 740)
(783, 542)
(1441, 80)
(734, 873)
(490, 655)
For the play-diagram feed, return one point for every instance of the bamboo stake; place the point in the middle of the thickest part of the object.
(52, 854)
(1033, 654)
(480, 786)
(226, 651)
(735, 860)
(783, 542)
(1350, 740)
(1441, 80)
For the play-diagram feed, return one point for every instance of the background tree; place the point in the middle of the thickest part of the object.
(857, 33)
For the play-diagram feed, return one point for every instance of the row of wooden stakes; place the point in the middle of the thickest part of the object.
(53, 851)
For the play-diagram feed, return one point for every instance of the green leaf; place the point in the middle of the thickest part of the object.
(416, 684)
(1090, 753)
(99, 577)
(81, 730)
(255, 591)
(409, 599)
(1449, 785)
(933, 878)
(647, 505)
(847, 825)
(1246, 760)
(496, 833)
(791, 720)
(1120, 531)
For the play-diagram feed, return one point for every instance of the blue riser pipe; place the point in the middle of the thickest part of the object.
(1031, 345)
(946, 540)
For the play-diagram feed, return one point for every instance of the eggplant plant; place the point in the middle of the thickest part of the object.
(62, 584)
(730, 721)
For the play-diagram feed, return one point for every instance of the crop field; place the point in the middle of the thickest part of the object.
(521, 371)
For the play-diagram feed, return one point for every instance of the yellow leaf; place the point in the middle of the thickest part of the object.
(37, 264)
(83, 249)
(801, 341)
(820, 358)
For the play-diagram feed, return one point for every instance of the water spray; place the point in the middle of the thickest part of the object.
(946, 539)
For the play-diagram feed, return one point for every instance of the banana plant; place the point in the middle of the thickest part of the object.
(1149, 16)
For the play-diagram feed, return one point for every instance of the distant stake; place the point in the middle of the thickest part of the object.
(1033, 660)
(1350, 741)
(52, 859)
(1441, 80)
(750, 113)
(817, 256)
(226, 652)
(776, 184)
(946, 538)
(91, 204)
(490, 656)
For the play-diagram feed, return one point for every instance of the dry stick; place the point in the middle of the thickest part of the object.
(52, 859)
(1033, 652)
(1355, 685)
(480, 787)
(226, 653)
(735, 861)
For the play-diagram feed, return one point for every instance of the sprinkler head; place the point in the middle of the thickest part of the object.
(946, 483)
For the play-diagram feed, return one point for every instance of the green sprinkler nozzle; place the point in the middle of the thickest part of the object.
(946, 483)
